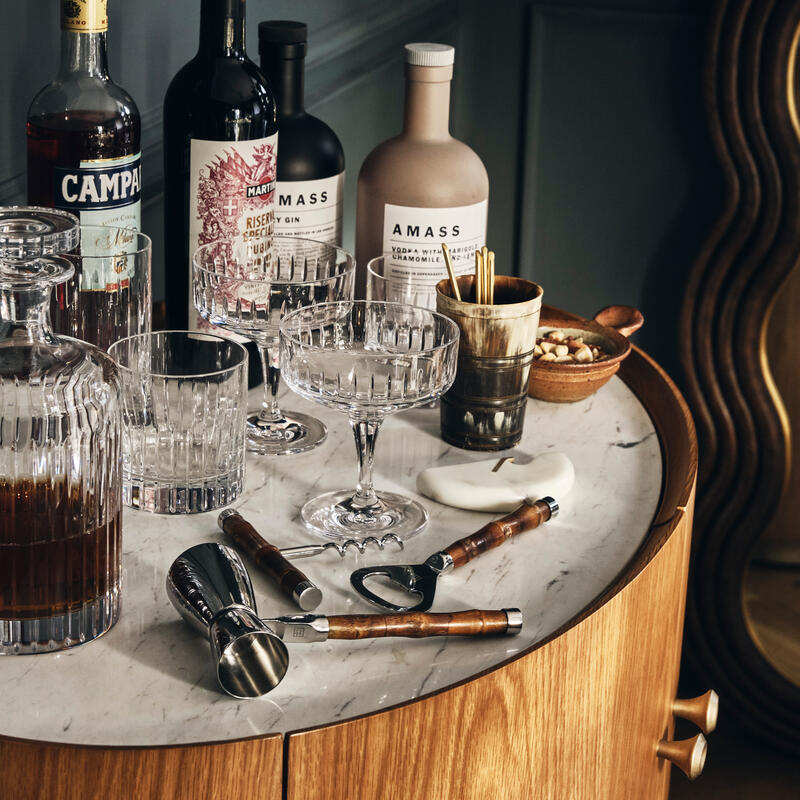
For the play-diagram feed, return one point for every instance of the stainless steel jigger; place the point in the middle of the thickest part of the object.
(209, 586)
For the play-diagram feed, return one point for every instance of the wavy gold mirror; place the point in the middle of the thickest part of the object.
(740, 350)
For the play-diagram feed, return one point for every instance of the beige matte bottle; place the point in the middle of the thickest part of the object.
(423, 187)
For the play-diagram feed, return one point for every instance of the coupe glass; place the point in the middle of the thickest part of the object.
(248, 295)
(367, 359)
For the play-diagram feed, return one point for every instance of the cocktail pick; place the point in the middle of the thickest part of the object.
(451, 272)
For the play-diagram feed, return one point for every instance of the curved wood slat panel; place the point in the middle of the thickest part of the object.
(706, 429)
(748, 253)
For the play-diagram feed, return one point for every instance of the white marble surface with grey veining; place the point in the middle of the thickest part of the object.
(149, 681)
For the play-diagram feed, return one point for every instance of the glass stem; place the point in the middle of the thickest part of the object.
(270, 364)
(365, 432)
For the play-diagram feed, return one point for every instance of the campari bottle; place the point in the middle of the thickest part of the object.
(83, 130)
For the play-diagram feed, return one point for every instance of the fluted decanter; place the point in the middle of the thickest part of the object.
(60, 459)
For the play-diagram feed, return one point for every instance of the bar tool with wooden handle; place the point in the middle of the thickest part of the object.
(209, 586)
(318, 628)
(290, 580)
(420, 579)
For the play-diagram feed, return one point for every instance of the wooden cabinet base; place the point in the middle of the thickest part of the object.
(577, 716)
(581, 717)
(249, 768)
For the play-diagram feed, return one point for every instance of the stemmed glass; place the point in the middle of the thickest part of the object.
(248, 295)
(367, 359)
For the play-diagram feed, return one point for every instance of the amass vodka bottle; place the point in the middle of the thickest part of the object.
(311, 165)
(220, 151)
(423, 187)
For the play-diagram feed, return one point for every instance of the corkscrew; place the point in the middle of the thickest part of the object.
(275, 564)
(307, 550)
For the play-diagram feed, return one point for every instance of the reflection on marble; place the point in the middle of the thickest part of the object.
(149, 681)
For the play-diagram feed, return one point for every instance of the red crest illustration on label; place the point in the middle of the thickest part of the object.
(231, 198)
(232, 188)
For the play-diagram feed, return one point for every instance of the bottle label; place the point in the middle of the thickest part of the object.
(412, 244)
(231, 197)
(106, 259)
(104, 191)
(312, 209)
(84, 16)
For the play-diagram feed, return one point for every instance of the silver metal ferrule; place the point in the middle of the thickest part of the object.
(514, 618)
(224, 514)
(307, 595)
(552, 505)
(300, 627)
(440, 562)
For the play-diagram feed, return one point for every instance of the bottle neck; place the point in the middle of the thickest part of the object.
(84, 53)
(427, 107)
(222, 28)
(25, 315)
(287, 79)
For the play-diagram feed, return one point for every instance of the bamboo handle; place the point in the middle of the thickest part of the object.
(525, 518)
(420, 625)
(290, 580)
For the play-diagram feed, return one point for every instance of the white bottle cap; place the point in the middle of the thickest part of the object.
(428, 54)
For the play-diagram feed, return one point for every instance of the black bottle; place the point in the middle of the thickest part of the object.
(311, 164)
(220, 143)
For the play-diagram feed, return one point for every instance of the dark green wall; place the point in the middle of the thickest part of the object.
(586, 113)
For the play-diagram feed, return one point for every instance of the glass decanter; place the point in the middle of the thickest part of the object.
(60, 459)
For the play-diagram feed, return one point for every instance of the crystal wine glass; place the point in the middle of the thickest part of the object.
(367, 359)
(248, 295)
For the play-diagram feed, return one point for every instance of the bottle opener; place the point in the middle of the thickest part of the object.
(420, 579)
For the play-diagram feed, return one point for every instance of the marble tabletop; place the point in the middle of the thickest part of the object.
(149, 681)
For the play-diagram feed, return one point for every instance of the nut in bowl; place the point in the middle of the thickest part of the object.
(577, 356)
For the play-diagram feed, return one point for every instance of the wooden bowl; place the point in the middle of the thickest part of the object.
(609, 330)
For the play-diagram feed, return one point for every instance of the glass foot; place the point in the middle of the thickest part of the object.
(333, 515)
(295, 433)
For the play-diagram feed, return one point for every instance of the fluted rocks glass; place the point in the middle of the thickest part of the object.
(184, 405)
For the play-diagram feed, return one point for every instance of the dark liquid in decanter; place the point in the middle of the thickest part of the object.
(53, 558)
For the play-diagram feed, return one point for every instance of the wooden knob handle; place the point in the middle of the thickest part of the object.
(420, 625)
(702, 711)
(290, 580)
(687, 754)
(525, 518)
